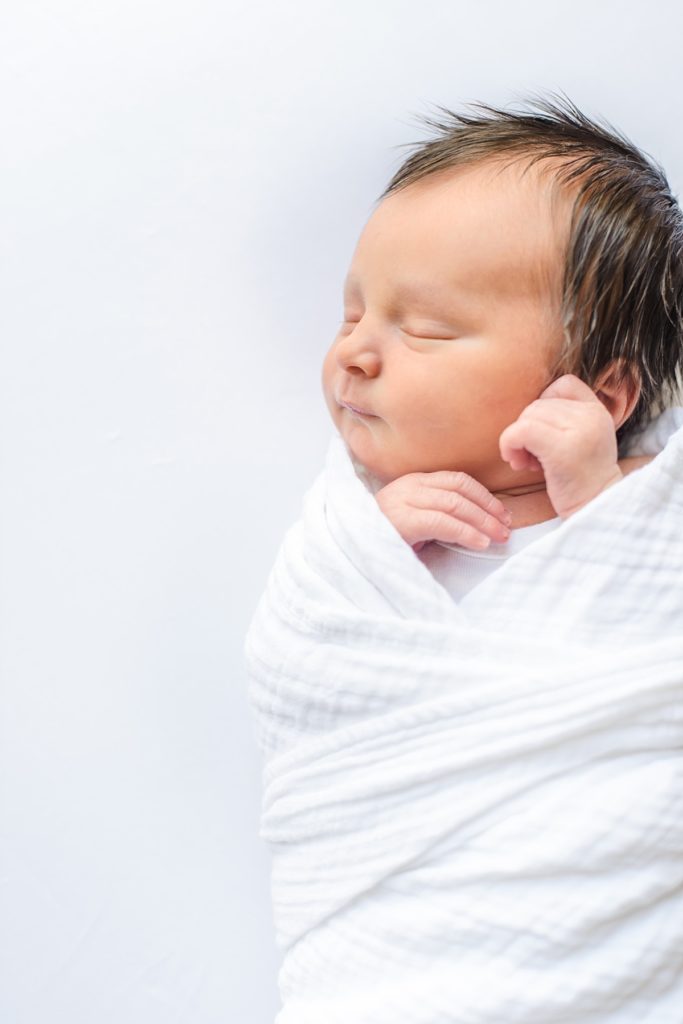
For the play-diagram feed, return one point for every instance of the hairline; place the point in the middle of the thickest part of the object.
(539, 279)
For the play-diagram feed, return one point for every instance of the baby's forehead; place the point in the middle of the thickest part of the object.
(517, 186)
(501, 227)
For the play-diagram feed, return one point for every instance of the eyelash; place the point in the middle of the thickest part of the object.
(419, 337)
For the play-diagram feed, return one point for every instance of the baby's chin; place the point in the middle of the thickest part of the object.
(372, 479)
(376, 476)
(375, 461)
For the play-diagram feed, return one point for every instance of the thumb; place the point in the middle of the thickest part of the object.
(512, 447)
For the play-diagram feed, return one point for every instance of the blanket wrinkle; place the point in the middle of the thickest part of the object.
(475, 808)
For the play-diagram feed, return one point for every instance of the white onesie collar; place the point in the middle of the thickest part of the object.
(518, 539)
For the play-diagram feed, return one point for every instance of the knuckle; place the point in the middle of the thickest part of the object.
(460, 479)
(486, 521)
(491, 503)
(455, 503)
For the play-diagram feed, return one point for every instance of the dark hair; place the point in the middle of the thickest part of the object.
(622, 294)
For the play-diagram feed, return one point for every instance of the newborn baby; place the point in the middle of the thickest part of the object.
(445, 380)
(473, 807)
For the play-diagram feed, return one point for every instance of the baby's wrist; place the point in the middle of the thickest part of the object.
(613, 478)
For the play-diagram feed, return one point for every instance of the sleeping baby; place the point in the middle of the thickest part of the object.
(511, 313)
(473, 779)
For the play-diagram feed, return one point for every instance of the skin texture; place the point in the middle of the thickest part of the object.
(450, 330)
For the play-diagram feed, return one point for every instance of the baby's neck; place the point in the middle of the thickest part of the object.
(535, 507)
(528, 509)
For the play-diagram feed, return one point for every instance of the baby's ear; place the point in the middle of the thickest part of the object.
(618, 388)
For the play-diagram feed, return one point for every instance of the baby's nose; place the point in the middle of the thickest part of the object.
(358, 360)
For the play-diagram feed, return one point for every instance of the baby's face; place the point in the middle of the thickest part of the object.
(451, 325)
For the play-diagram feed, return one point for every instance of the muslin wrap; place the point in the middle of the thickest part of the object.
(475, 810)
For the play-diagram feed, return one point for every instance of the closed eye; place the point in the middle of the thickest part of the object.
(430, 337)
(422, 337)
(405, 332)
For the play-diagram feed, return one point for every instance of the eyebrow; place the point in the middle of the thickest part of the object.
(413, 291)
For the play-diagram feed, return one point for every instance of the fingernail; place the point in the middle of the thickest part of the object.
(507, 516)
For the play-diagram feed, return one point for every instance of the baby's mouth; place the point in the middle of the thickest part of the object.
(355, 410)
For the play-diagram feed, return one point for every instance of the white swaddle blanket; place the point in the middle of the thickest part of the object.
(475, 809)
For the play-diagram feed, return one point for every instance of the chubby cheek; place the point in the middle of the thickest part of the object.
(501, 395)
(424, 402)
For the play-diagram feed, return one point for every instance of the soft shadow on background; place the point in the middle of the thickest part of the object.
(182, 188)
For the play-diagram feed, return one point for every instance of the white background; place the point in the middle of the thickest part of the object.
(182, 187)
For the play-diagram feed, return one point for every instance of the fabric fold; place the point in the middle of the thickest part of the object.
(475, 809)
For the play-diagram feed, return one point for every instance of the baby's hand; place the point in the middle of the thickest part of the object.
(446, 505)
(569, 434)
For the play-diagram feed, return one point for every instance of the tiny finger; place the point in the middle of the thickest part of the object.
(461, 510)
(454, 531)
(469, 488)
